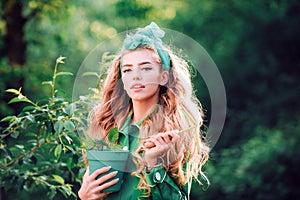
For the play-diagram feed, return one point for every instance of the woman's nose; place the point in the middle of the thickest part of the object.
(136, 73)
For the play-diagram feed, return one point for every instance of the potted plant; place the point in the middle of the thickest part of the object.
(101, 154)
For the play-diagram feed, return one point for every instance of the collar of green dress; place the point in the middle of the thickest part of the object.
(129, 118)
(129, 131)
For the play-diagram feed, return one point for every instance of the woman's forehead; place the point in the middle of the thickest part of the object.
(140, 56)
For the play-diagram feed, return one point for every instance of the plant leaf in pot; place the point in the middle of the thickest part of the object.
(104, 154)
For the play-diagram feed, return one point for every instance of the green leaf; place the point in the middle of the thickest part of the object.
(26, 188)
(19, 146)
(113, 135)
(71, 149)
(20, 98)
(30, 118)
(67, 189)
(8, 153)
(9, 119)
(41, 141)
(51, 194)
(17, 92)
(68, 138)
(60, 118)
(58, 91)
(69, 163)
(47, 83)
(14, 100)
(27, 108)
(32, 142)
(64, 74)
(69, 109)
(58, 126)
(58, 150)
(15, 134)
(69, 125)
(58, 179)
(30, 134)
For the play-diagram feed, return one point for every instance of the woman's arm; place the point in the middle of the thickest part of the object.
(162, 185)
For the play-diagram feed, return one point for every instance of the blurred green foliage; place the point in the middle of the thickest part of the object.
(254, 44)
(41, 146)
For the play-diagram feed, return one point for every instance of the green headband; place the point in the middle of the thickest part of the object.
(150, 35)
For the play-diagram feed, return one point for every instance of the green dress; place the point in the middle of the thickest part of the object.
(162, 185)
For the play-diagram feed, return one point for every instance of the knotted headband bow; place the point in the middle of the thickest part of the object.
(150, 35)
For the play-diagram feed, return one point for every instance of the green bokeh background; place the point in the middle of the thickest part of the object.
(255, 45)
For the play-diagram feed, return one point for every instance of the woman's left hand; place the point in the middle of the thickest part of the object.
(157, 145)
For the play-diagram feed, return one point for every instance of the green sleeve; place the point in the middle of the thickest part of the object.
(164, 187)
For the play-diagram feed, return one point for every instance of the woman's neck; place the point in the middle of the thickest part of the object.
(142, 109)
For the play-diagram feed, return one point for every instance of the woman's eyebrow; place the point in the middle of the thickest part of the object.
(139, 64)
(145, 63)
(127, 65)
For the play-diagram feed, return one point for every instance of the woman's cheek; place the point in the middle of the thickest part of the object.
(126, 83)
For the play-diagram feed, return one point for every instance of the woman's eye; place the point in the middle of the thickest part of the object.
(146, 68)
(126, 71)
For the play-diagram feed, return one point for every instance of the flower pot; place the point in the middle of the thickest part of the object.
(98, 158)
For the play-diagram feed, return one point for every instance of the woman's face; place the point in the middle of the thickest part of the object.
(142, 75)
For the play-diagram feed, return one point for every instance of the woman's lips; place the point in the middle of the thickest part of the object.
(137, 86)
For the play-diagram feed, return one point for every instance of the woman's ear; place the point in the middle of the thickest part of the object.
(164, 78)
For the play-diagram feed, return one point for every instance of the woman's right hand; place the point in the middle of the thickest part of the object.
(91, 188)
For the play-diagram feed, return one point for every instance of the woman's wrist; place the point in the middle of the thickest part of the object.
(150, 164)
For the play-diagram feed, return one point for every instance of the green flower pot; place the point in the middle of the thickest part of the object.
(98, 158)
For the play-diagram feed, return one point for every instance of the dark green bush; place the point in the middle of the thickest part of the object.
(264, 167)
(40, 147)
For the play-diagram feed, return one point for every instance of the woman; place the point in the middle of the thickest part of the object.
(148, 96)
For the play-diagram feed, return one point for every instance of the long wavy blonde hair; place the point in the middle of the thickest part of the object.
(178, 109)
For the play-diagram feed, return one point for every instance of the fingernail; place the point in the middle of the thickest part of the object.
(116, 172)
